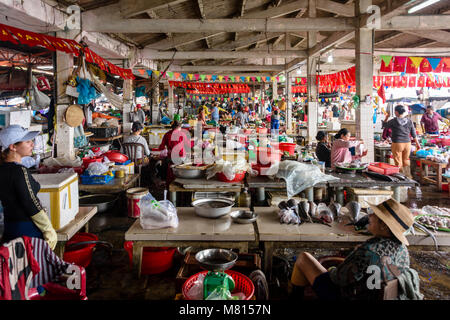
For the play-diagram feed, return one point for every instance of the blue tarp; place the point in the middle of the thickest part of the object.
(418, 108)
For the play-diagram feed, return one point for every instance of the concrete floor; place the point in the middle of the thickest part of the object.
(109, 277)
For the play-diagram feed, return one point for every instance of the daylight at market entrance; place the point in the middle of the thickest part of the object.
(261, 150)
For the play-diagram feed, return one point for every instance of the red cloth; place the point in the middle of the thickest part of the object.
(175, 140)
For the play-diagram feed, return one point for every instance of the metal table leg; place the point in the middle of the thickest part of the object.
(173, 197)
(340, 195)
(268, 255)
(396, 195)
(260, 194)
(310, 194)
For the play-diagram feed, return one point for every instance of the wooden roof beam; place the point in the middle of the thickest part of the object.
(131, 8)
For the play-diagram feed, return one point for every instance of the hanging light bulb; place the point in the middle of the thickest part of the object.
(330, 58)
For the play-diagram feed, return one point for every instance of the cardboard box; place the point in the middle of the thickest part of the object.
(129, 168)
(59, 196)
(10, 115)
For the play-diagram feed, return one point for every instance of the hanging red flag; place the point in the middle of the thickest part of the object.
(381, 94)
(388, 81)
(412, 81)
(410, 67)
(421, 82)
(385, 68)
(396, 83)
(425, 66)
(403, 82)
(399, 64)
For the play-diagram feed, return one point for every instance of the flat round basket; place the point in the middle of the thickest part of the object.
(74, 115)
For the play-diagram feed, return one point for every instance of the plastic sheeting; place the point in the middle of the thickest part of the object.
(300, 176)
(228, 168)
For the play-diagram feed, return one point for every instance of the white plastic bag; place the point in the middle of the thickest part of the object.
(300, 176)
(157, 214)
(97, 168)
(196, 291)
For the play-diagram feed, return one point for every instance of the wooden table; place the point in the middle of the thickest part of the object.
(261, 183)
(192, 231)
(424, 174)
(275, 235)
(109, 139)
(116, 185)
(81, 220)
(196, 185)
(362, 181)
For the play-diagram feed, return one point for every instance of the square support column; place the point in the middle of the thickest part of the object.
(311, 77)
(155, 101)
(127, 102)
(64, 133)
(364, 74)
(274, 89)
(171, 103)
(288, 102)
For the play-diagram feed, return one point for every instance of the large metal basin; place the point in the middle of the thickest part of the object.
(103, 202)
(212, 208)
(216, 259)
(188, 173)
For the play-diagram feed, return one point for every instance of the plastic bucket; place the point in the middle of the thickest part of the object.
(154, 259)
(80, 255)
(289, 147)
(134, 196)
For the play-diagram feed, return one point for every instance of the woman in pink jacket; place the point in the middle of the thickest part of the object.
(340, 150)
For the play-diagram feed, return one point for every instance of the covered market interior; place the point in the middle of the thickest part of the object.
(196, 149)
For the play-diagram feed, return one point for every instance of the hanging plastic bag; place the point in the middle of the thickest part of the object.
(79, 138)
(157, 214)
(86, 91)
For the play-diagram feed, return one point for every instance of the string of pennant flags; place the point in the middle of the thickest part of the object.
(414, 65)
(31, 39)
(207, 77)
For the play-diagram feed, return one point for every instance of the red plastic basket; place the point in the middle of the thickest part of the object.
(242, 284)
(154, 259)
(238, 177)
(289, 147)
(87, 161)
(383, 168)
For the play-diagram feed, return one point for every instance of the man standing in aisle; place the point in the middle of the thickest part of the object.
(429, 121)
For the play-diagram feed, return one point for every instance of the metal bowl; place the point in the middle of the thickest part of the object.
(216, 259)
(244, 216)
(212, 208)
(188, 173)
(103, 202)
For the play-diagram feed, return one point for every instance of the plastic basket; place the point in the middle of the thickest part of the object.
(383, 168)
(238, 177)
(288, 147)
(103, 179)
(82, 255)
(242, 284)
(155, 260)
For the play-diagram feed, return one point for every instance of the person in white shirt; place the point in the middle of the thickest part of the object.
(135, 137)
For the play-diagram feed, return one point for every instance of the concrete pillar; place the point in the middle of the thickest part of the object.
(155, 102)
(274, 89)
(127, 101)
(364, 74)
(170, 102)
(288, 102)
(311, 77)
(64, 133)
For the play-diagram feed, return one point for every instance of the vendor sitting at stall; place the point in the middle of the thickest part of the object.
(177, 144)
(340, 152)
(429, 121)
(135, 137)
(349, 280)
(24, 214)
(402, 131)
(323, 149)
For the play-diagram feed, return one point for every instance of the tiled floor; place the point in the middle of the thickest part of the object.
(110, 276)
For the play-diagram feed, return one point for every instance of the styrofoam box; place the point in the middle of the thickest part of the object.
(10, 115)
(59, 196)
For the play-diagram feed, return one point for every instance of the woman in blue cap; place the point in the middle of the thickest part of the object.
(23, 212)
